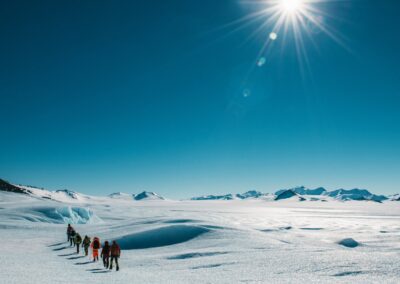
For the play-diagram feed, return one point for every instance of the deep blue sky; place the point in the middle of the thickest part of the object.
(106, 96)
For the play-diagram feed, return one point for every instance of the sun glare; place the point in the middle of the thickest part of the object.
(290, 23)
(291, 6)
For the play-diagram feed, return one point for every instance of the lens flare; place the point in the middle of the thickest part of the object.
(297, 22)
(273, 36)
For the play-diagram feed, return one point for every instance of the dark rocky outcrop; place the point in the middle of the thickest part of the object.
(6, 186)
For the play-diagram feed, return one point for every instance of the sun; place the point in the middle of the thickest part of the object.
(291, 6)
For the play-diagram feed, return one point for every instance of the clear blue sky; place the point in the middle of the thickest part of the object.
(105, 96)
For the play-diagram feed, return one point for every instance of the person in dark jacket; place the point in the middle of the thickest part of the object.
(72, 237)
(115, 254)
(77, 241)
(69, 230)
(105, 254)
(86, 244)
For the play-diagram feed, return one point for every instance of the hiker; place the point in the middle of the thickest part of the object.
(86, 244)
(105, 254)
(77, 242)
(72, 237)
(69, 230)
(115, 254)
(95, 248)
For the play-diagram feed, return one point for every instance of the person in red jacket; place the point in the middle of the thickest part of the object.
(105, 255)
(95, 248)
(115, 254)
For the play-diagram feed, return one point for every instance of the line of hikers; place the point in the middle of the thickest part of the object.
(108, 251)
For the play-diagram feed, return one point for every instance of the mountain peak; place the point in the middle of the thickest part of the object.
(287, 194)
(147, 195)
(302, 190)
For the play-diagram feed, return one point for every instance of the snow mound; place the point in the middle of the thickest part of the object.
(63, 215)
(147, 195)
(349, 242)
(164, 236)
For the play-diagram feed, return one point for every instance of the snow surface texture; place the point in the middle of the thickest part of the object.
(235, 241)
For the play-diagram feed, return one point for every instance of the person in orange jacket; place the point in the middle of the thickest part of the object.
(96, 245)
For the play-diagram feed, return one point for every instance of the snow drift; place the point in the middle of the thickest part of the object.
(164, 236)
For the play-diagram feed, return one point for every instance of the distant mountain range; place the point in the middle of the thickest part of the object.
(247, 195)
(66, 195)
(302, 193)
(297, 193)
(145, 195)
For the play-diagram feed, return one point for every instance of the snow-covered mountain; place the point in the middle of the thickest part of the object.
(252, 194)
(299, 193)
(6, 186)
(355, 194)
(304, 191)
(215, 197)
(339, 194)
(64, 195)
(289, 194)
(147, 195)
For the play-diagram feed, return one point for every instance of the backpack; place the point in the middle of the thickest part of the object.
(96, 244)
(106, 250)
(86, 241)
(115, 250)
